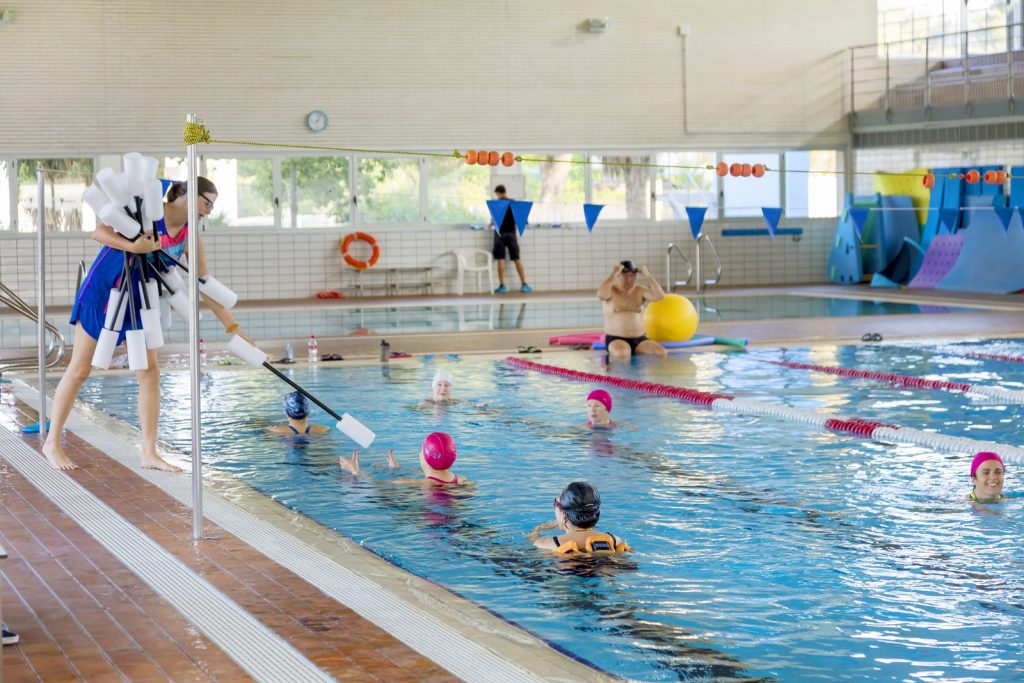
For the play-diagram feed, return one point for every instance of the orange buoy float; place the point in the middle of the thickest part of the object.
(722, 169)
(757, 170)
(928, 180)
(972, 176)
(508, 158)
(362, 237)
(745, 170)
(735, 170)
(492, 158)
(471, 156)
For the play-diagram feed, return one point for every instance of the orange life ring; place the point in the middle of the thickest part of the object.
(362, 237)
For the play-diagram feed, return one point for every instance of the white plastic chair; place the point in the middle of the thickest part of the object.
(476, 261)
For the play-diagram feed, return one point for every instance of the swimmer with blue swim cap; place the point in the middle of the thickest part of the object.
(577, 511)
(296, 407)
(987, 471)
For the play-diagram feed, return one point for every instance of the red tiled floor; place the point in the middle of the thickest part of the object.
(66, 580)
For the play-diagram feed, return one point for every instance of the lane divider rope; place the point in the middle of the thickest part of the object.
(726, 403)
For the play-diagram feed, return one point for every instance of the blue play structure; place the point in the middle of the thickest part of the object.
(890, 248)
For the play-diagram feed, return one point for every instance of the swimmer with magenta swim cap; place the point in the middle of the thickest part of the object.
(987, 472)
(599, 407)
(296, 407)
(577, 511)
(437, 455)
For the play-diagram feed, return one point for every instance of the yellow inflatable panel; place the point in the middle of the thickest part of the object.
(894, 183)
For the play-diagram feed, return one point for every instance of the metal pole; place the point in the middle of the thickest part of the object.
(193, 339)
(41, 304)
(696, 265)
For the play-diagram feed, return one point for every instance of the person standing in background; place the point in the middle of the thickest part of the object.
(506, 242)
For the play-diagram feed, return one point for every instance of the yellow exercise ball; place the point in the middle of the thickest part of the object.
(672, 319)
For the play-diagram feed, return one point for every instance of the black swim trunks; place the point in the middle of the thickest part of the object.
(506, 242)
(632, 341)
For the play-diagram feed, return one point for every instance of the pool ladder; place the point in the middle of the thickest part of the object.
(55, 344)
(692, 269)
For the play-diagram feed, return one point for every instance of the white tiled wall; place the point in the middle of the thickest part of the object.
(297, 264)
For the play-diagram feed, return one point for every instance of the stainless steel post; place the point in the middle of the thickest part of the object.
(41, 287)
(697, 270)
(193, 338)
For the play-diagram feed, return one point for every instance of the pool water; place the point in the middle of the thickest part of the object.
(496, 315)
(763, 550)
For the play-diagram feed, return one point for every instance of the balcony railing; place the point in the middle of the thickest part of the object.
(951, 73)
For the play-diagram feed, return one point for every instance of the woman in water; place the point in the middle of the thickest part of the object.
(437, 455)
(577, 511)
(599, 408)
(296, 407)
(987, 472)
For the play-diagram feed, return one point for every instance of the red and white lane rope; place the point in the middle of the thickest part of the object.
(996, 356)
(725, 403)
(1006, 395)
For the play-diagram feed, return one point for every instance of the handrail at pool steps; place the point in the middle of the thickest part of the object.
(669, 284)
(701, 282)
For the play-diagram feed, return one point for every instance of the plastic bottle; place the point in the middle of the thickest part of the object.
(289, 353)
(202, 351)
(385, 351)
(311, 346)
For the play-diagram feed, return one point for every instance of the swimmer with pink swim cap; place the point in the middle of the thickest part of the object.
(987, 471)
(599, 407)
(437, 455)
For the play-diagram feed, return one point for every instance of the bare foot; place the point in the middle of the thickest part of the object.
(55, 455)
(155, 462)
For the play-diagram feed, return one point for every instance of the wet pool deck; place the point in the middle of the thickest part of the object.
(83, 612)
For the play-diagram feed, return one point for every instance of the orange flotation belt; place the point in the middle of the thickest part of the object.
(598, 544)
(362, 237)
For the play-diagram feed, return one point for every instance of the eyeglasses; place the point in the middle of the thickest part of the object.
(209, 202)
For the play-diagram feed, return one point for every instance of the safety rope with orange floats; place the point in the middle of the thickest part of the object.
(971, 177)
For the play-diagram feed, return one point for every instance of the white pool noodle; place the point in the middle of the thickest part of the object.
(109, 322)
(151, 166)
(113, 186)
(247, 352)
(179, 302)
(153, 200)
(104, 352)
(356, 430)
(135, 173)
(219, 292)
(120, 221)
(151, 326)
(173, 279)
(96, 198)
(137, 357)
(153, 291)
(165, 311)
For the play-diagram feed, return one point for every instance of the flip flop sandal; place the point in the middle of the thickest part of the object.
(529, 349)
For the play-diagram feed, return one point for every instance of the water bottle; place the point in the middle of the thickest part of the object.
(202, 351)
(289, 353)
(313, 355)
(385, 351)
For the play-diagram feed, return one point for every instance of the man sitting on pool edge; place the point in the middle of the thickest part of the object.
(623, 303)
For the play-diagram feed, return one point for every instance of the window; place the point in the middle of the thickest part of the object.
(556, 186)
(314, 192)
(6, 180)
(625, 190)
(746, 196)
(678, 188)
(812, 184)
(388, 190)
(66, 180)
(457, 192)
(245, 192)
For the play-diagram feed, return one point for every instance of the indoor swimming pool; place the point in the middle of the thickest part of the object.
(344, 320)
(763, 550)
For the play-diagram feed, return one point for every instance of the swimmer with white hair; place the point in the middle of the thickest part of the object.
(440, 391)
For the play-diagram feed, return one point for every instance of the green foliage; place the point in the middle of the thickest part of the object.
(78, 170)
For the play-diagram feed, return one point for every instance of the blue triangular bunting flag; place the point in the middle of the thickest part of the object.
(696, 216)
(772, 217)
(949, 218)
(521, 211)
(590, 212)
(859, 216)
(1005, 214)
(498, 209)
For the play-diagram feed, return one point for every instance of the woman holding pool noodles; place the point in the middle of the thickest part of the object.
(89, 313)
